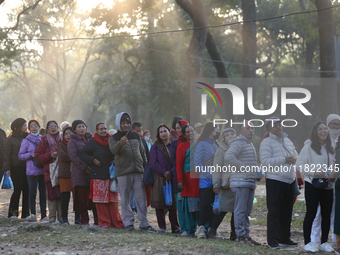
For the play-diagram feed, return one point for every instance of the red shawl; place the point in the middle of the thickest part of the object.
(104, 142)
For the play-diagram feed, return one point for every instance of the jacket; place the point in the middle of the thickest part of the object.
(273, 153)
(43, 156)
(309, 162)
(64, 161)
(93, 150)
(241, 156)
(203, 157)
(26, 149)
(2, 147)
(75, 145)
(131, 157)
(158, 162)
(227, 198)
(11, 151)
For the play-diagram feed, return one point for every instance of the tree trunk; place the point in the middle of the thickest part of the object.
(327, 58)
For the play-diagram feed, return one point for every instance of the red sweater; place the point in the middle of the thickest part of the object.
(191, 185)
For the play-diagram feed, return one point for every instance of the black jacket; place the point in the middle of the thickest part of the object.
(11, 151)
(93, 150)
(2, 147)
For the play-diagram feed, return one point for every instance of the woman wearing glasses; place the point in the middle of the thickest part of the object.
(97, 154)
(46, 154)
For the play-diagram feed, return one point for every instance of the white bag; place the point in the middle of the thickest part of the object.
(113, 185)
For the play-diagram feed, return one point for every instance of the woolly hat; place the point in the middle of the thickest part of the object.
(76, 123)
(125, 117)
(17, 123)
(228, 130)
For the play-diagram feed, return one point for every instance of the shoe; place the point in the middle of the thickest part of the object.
(326, 247)
(104, 226)
(56, 222)
(242, 239)
(32, 218)
(290, 243)
(161, 231)
(52, 221)
(185, 233)
(177, 231)
(252, 241)
(201, 232)
(45, 219)
(232, 236)
(274, 246)
(148, 229)
(27, 218)
(337, 251)
(86, 224)
(192, 235)
(77, 222)
(65, 221)
(129, 228)
(212, 233)
(13, 217)
(311, 247)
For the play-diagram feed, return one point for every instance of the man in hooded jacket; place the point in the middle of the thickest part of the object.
(130, 160)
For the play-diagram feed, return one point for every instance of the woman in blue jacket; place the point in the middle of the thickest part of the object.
(206, 147)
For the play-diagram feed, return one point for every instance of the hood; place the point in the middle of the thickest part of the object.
(119, 117)
(308, 141)
(223, 146)
(240, 138)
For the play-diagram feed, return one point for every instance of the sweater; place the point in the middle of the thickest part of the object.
(185, 170)
(64, 161)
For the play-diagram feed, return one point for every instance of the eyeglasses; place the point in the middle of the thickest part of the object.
(34, 126)
(52, 126)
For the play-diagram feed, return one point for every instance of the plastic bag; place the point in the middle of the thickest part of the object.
(54, 173)
(216, 205)
(168, 193)
(112, 170)
(148, 176)
(113, 185)
(6, 182)
(260, 174)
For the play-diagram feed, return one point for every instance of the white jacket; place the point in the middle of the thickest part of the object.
(309, 163)
(273, 153)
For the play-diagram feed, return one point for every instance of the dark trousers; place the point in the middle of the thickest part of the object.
(33, 180)
(206, 214)
(280, 201)
(219, 218)
(20, 183)
(83, 203)
(172, 218)
(313, 197)
(65, 200)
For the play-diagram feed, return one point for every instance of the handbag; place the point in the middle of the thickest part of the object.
(167, 193)
(148, 176)
(6, 182)
(112, 170)
(216, 205)
(54, 173)
(35, 162)
(321, 183)
(113, 185)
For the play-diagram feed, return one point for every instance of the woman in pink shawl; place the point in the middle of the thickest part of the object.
(46, 154)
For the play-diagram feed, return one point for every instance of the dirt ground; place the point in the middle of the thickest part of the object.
(257, 232)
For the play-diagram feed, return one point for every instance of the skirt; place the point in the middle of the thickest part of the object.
(65, 184)
(100, 192)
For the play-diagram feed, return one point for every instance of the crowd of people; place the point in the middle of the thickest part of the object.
(65, 159)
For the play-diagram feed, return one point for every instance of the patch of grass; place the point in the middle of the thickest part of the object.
(6, 222)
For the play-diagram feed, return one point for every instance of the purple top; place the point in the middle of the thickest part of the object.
(26, 149)
(158, 162)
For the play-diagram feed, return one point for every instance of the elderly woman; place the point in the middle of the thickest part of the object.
(226, 196)
(80, 173)
(46, 154)
(97, 154)
(316, 161)
(34, 170)
(16, 168)
(159, 159)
